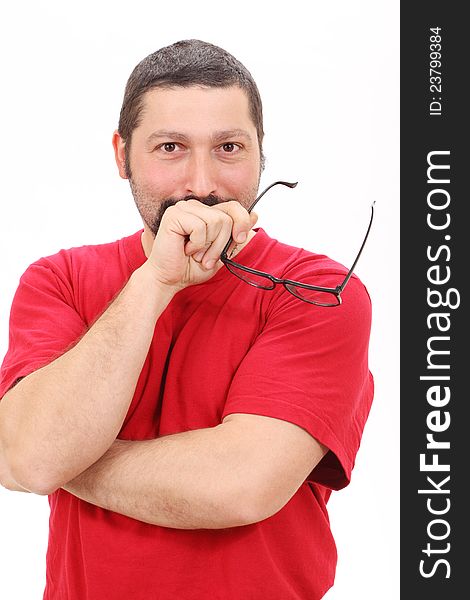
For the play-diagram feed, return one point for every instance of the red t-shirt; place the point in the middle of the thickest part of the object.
(220, 347)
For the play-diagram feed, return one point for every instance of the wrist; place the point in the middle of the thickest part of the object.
(148, 277)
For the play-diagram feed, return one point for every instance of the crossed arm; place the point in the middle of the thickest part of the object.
(240, 472)
(237, 473)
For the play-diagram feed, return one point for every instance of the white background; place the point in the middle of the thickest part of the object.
(328, 73)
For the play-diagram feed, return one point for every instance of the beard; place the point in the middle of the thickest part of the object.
(152, 208)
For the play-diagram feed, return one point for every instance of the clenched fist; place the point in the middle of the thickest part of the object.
(191, 237)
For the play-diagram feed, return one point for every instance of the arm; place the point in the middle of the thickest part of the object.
(240, 472)
(60, 419)
(8, 482)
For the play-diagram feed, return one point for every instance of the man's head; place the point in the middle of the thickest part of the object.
(191, 126)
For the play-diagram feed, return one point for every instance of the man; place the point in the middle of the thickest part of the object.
(187, 426)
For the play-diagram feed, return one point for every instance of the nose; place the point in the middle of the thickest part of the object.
(200, 174)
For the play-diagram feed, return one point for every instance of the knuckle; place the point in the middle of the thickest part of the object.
(180, 205)
(170, 214)
(235, 207)
(221, 218)
(200, 228)
(240, 211)
(173, 209)
(226, 218)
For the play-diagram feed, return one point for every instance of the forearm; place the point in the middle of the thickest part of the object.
(183, 481)
(63, 417)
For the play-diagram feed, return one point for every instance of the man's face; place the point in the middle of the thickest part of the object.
(191, 143)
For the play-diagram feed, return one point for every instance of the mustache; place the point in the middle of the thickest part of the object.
(210, 200)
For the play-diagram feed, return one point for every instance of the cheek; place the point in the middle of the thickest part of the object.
(245, 178)
(159, 181)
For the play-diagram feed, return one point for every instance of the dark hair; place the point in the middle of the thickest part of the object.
(183, 64)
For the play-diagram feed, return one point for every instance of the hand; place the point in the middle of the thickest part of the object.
(191, 237)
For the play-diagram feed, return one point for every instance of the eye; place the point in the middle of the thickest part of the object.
(166, 148)
(230, 147)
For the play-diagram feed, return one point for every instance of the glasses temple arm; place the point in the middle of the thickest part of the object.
(350, 272)
(287, 183)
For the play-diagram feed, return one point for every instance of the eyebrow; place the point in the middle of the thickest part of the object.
(227, 134)
(177, 136)
(166, 134)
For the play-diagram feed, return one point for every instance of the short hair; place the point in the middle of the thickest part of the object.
(183, 64)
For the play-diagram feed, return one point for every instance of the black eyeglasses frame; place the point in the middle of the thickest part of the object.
(289, 284)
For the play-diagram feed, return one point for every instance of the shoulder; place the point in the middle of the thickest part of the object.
(298, 264)
(84, 277)
(91, 258)
(288, 257)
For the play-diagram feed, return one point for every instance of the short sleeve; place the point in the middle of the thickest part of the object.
(43, 323)
(309, 366)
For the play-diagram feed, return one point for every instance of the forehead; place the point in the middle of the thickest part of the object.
(196, 108)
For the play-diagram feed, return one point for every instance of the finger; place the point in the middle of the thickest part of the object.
(218, 227)
(220, 232)
(242, 221)
(221, 221)
(198, 255)
(245, 223)
(240, 217)
(178, 220)
(217, 231)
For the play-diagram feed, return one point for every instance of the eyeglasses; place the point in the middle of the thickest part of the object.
(317, 295)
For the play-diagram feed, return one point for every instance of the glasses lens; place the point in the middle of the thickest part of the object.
(258, 281)
(318, 297)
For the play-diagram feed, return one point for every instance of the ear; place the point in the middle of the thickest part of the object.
(119, 146)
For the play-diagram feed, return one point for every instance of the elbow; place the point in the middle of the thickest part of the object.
(259, 510)
(38, 486)
(21, 464)
(34, 482)
(251, 504)
(37, 471)
(217, 507)
(29, 475)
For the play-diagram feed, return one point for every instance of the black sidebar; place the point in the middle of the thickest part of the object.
(435, 268)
